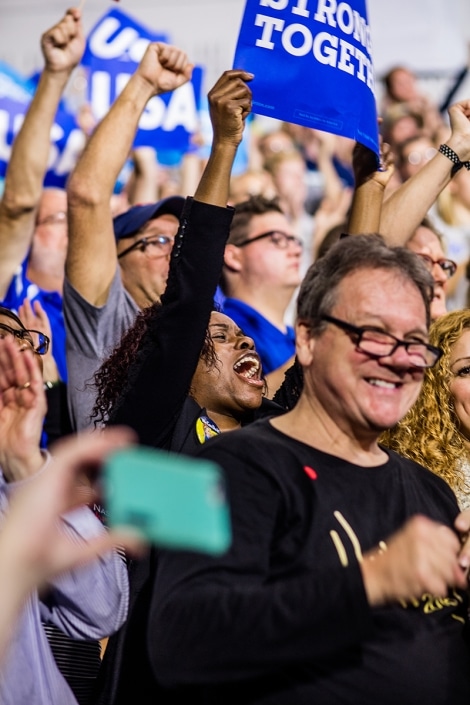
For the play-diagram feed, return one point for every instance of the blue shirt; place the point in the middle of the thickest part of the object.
(22, 288)
(273, 345)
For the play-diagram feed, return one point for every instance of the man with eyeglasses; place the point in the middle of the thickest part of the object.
(262, 269)
(115, 268)
(346, 581)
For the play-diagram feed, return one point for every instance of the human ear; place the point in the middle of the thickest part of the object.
(232, 258)
(304, 343)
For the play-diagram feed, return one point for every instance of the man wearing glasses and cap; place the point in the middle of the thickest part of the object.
(115, 268)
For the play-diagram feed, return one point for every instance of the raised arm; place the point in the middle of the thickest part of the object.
(370, 184)
(404, 210)
(229, 104)
(162, 374)
(62, 47)
(91, 259)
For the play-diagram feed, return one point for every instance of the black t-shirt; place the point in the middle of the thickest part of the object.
(283, 616)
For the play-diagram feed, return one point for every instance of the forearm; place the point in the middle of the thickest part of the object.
(15, 586)
(366, 209)
(94, 177)
(24, 465)
(17, 575)
(91, 256)
(215, 182)
(404, 210)
(30, 152)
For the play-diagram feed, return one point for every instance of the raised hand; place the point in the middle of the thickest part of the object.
(459, 140)
(164, 67)
(22, 411)
(63, 45)
(57, 487)
(34, 317)
(365, 165)
(462, 524)
(33, 548)
(230, 105)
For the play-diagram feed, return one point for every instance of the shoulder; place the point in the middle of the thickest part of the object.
(240, 308)
(119, 301)
(258, 448)
(422, 477)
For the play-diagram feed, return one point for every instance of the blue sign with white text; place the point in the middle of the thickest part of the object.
(312, 63)
(115, 46)
(67, 140)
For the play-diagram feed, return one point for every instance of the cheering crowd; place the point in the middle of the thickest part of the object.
(316, 306)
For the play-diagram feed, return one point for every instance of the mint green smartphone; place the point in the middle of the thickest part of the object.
(175, 501)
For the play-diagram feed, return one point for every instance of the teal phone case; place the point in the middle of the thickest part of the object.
(175, 501)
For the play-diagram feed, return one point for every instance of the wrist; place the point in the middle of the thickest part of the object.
(58, 75)
(372, 183)
(21, 468)
(142, 86)
(452, 155)
(225, 146)
(460, 146)
(51, 383)
(374, 575)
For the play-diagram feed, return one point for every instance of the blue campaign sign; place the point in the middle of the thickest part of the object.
(114, 48)
(312, 63)
(67, 140)
(15, 86)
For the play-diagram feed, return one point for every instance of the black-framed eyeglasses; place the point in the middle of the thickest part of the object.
(37, 340)
(151, 246)
(378, 343)
(448, 266)
(278, 237)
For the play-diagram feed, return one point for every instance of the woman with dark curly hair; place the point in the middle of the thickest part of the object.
(436, 430)
(184, 372)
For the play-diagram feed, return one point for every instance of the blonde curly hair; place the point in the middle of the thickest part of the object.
(429, 433)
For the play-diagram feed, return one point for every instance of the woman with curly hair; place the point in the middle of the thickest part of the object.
(182, 373)
(436, 430)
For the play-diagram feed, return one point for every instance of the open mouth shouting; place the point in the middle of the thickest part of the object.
(248, 367)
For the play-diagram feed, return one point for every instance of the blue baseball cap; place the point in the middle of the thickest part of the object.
(128, 223)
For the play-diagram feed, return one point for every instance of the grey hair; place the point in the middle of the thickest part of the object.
(318, 291)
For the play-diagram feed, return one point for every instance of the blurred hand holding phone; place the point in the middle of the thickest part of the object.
(173, 501)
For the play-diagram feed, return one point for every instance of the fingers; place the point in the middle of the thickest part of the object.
(41, 549)
(84, 454)
(21, 381)
(387, 155)
(462, 524)
(231, 96)
(61, 34)
(34, 316)
(68, 555)
(174, 59)
(421, 558)
(16, 367)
